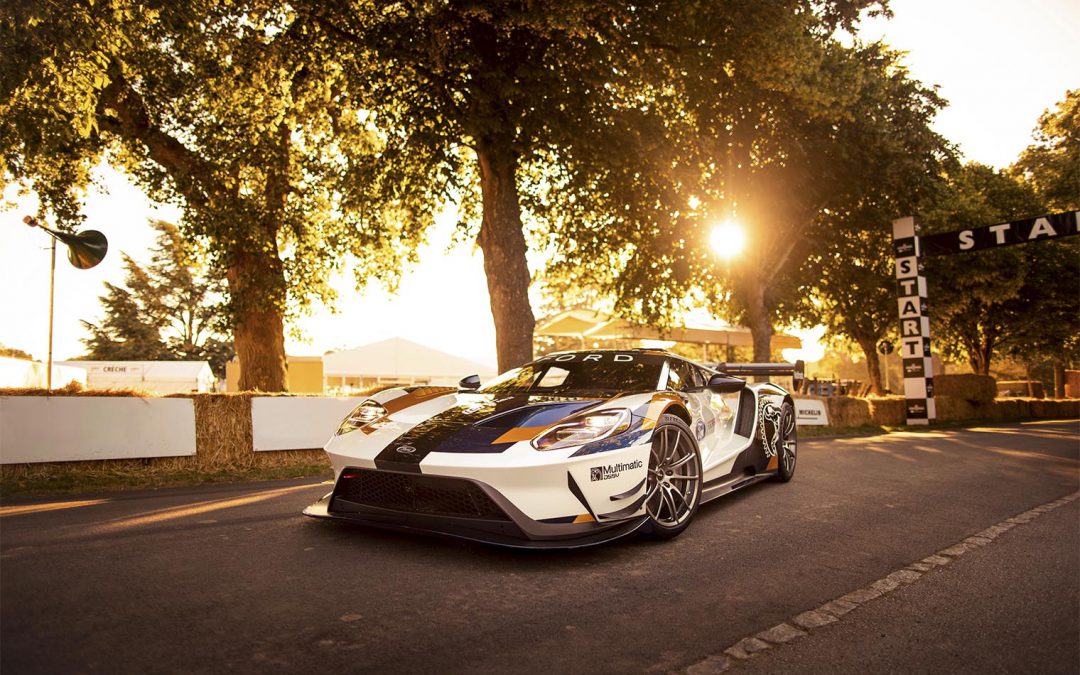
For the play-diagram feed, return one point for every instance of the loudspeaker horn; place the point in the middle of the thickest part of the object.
(85, 249)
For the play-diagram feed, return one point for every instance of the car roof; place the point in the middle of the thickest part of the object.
(649, 351)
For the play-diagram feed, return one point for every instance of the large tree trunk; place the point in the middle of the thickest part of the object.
(873, 366)
(1059, 378)
(257, 286)
(255, 275)
(979, 355)
(502, 241)
(758, 317)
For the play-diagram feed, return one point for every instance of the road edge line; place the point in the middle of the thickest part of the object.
(802, 624)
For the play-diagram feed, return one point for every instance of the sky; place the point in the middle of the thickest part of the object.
(1000, 64)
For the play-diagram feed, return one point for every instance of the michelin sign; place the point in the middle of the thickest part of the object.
(811, 412)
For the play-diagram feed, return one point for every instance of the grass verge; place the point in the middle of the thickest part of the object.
(76, 483)
(43, 486)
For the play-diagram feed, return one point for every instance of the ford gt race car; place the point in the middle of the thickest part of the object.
(570, 450)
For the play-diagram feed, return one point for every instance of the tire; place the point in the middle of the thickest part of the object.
(787, 452)
(673, 485)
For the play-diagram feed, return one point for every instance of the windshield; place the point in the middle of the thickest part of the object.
(581, 374)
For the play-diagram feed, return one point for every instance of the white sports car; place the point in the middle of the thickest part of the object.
(572, 449)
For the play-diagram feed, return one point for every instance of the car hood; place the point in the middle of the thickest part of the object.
(484, 423)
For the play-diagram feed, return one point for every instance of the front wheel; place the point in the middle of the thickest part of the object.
(673, 486)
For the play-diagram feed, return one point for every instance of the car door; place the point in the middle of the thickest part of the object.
(686, 379)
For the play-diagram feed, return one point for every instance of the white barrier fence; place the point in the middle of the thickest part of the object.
(286, 423)
(71, 428)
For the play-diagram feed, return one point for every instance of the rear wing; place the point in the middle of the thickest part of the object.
(796, 371)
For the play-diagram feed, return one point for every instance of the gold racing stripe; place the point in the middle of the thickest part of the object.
(517, 434)
(416, 396)
(410, 399)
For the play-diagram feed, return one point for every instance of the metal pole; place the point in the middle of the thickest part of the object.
(52, 286)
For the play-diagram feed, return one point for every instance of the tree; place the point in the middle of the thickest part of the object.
(1052, 163)
(1043, 317)
(566, 109)
(14, 353)
(846, 281)
(232, 111)
(170, 310)
(803, 143)
(974, 298)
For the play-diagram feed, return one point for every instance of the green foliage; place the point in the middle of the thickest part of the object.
(169, 310)
(1052, 163)
(974, 296)
(610, 116)
(15, 353)
(1043, 318)
(811, 146)
(886, 163)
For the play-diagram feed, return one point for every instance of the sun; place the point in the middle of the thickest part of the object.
(727, 240)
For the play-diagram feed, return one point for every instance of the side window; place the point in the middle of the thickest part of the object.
(554, 377)
(702, 377)
(682, 376)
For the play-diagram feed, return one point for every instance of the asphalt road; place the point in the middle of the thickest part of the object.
(233, 579)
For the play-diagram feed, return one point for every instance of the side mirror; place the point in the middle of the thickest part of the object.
(725, 384)
(471, 382)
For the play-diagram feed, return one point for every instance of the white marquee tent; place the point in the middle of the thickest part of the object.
(588, 325)
(396, 361)
(163, 377)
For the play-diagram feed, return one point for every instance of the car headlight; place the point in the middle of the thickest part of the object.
(586, 428)
(367, 412)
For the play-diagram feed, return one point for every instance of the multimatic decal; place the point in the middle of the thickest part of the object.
(612, 470)
(769, 421)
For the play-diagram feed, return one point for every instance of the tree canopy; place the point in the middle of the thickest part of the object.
(1052, 162)
(973, 302)
(232, 110)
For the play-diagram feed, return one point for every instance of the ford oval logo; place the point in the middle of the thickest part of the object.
(407, 449)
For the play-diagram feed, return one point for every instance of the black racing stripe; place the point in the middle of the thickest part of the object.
(459, 429)
(576, 491)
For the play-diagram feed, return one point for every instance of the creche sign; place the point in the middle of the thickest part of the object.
(124, 370)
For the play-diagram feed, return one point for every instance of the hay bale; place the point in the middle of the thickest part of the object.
(73, 389)
(887, 411)
(972, 388)
(1010, 409)
(1055, 409)
(847, 411)
(223, 438)
(951, 408)
(1022, 388)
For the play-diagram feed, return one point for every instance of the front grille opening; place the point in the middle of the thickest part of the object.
(435, 495)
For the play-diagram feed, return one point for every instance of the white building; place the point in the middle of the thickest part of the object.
(162, 377)
(396, 361)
